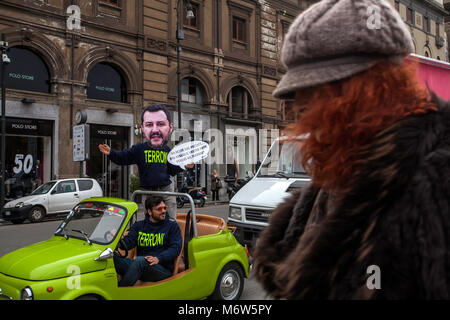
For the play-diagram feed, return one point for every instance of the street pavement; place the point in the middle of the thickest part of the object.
(13, 237)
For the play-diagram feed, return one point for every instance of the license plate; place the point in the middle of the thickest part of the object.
(7, 213)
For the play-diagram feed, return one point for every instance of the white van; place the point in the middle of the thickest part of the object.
(280, 173)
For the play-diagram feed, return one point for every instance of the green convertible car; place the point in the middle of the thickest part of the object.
(76, 262)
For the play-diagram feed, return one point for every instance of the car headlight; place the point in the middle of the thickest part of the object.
(19, 205)
(26, 294)
(235, 213)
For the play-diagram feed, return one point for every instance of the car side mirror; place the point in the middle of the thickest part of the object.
(106, 254)
(53, 191)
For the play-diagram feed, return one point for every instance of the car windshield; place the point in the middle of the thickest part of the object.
(43, 189)
(100, 224)
(283, 161)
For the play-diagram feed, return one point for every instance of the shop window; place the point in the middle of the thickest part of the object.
(241, 145)
(106, 83)
(28, 155)
(27, 71)
(112, 178)
(192, 91)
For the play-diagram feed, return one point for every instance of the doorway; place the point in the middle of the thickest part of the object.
(112, 178)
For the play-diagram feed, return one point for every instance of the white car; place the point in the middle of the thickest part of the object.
(51, 198)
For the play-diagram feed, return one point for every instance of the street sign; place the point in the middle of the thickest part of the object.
(81, 142)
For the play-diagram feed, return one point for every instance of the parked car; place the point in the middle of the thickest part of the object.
(76, 263)
(51, 198)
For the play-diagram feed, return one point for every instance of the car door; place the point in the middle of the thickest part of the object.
(63, 197)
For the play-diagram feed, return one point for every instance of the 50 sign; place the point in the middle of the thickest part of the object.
(24, 163)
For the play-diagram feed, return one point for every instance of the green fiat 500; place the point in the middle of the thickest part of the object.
(76, 262)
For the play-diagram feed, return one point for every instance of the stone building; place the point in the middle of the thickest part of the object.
(425, 19)
(110, 58)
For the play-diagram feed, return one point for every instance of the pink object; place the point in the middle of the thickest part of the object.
(434, 74)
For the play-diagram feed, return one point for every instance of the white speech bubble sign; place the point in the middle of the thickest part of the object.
(188, 152)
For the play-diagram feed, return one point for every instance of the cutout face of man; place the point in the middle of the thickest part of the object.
(156, 128)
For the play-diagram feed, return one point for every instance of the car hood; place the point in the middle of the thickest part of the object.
(27, 199)
(266, 192)
(52, 259)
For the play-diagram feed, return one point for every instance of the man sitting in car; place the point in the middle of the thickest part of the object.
(158, 241)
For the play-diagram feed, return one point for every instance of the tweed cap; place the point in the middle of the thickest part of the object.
(335, 39)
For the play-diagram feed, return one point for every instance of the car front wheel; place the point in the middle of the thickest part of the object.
(230, 284)
(36, 214)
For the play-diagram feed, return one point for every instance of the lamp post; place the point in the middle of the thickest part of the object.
(4, 61)
(180, 36)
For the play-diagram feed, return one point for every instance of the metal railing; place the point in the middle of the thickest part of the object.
(168, 193)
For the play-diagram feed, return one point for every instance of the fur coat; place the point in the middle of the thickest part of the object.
(394, 217)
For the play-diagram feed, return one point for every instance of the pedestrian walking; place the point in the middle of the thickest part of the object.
(216, 184)
(374, 223)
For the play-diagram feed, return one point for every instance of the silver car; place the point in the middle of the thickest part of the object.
(51, 198)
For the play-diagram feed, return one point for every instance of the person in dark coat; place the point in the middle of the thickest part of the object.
(215, 185)
(374, 223)
(158, 243)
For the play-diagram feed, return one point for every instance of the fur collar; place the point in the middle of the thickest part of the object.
(395, 216)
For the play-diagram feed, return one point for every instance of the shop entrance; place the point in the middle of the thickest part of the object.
(112, 178)
(28, 155)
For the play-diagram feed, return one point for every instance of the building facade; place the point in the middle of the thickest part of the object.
(66, 58)
(426, 21)
(111, 58)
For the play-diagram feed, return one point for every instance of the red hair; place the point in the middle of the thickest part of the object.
(342, 116)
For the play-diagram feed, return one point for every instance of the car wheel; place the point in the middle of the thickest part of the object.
(230, 284)
(180, 204)
(36, 214)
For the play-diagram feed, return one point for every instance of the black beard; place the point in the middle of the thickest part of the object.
(163, 143)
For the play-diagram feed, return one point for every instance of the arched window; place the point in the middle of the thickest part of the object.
(27, 71)
(106, 83)
(239, 101)
(192, 92)
(427, 52)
